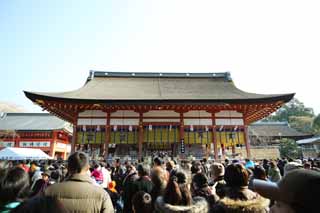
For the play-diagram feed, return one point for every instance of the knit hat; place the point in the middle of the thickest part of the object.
(292, 166)
(299, 189)
(217, 169)
(46, 172)
(112, 186)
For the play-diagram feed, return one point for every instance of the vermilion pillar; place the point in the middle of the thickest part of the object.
(181, 133)
(108, 135)
(53, 142)
(140, 135)
(214, 137)
(74, 135)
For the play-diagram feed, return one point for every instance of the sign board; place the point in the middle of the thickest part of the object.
(34, 144)
(6, 144)
(182, 148)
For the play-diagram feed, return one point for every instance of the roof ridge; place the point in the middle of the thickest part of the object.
(96, 73)
(28, 113)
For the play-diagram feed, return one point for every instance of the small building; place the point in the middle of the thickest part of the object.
(36, 130)
(270, 133)
(265, 138)
(310, 147)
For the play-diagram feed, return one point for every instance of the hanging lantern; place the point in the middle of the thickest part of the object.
(170, 127)
(150, 127)
(84, 128)
(191, 128)
(98, 128)
(115, 128)
(207, 128)
(130, 128)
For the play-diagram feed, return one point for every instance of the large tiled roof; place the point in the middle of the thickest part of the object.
(165, 87)
(32, 121)
(275, 129)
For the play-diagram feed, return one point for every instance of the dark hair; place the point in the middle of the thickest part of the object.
(14, 186)
(236, 175)
(142, 201)
(196, 167)
(40, 204)
(259, 173)
(157, 161)
(200, 180)
(77, 162)
(143, 170)
(177, 191)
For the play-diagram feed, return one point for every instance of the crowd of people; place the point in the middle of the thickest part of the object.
(163, 186)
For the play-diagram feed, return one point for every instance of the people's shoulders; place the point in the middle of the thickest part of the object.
(199, 204)
(257, 204)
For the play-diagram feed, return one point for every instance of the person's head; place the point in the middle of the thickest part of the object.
(157, 161)
(143, 170)
(196, 167)
(40, 204)
(292, 166)
(131, 168)
(46, 175)
(170, 165)
(199, 181)
(273, 164)
(14, 186)
(112, 186)
(118, 162)
(226, 161)
(297, 192)
(217, 170)
(236, 175)
(78, 162)
(259, 173)
(307, 165)
(142, 202)
(177, 191)
(265, 161)
(96, 166)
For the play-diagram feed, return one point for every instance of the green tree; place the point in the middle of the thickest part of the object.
(301, 123)
(297, 115)
(292, 108)
(289, 149)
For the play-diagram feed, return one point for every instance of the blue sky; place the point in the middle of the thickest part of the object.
(268, 46)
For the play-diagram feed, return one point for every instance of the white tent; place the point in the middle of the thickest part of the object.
(11, 153)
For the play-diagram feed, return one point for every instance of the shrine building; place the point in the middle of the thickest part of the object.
(136, 114)
(36, 130)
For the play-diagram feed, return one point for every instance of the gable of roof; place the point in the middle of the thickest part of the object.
(33, 121)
